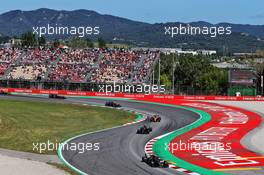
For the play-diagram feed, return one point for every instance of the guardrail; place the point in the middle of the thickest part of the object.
(125, 95)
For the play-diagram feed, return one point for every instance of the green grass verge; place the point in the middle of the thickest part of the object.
(23, 123)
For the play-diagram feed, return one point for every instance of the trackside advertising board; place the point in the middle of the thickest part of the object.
(123, 95)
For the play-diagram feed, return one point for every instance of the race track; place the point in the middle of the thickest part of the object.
(121, 149)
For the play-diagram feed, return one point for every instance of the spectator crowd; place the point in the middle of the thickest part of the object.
(77, 65)
(7, 57)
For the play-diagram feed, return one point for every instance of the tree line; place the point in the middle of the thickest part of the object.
(191, 74)
(29, 39)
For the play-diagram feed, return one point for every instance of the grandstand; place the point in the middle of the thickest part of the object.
(77, 65)
(7, 58)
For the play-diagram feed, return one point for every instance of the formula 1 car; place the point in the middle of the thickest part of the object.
(155, 161)
(55, 96)
(144, 130)
(155, 118)
(4, 93)
(112, 104)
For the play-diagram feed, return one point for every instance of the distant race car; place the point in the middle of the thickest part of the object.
(155, 161)
(55, 96)
(144, 130)
(4, 93)
(155, 118)
(112, 104)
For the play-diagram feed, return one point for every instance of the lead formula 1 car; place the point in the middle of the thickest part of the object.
(55, 96)
(112, 104)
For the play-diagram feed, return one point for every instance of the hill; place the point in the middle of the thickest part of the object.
(244, 38)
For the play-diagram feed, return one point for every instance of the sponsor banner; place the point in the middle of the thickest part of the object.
(123, 95)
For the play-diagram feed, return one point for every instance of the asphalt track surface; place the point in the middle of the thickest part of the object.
(121, 149)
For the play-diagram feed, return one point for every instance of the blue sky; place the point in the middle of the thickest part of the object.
(235, 11)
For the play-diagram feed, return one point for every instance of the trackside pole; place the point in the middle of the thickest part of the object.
(262, 82)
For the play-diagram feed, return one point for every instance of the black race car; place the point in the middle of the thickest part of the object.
(155, 161)
(112, 104)
(155, 118)
(144, 130)
(4, 93)
(55, 96)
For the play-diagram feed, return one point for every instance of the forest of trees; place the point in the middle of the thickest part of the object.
(192, 74)
(30, 40)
